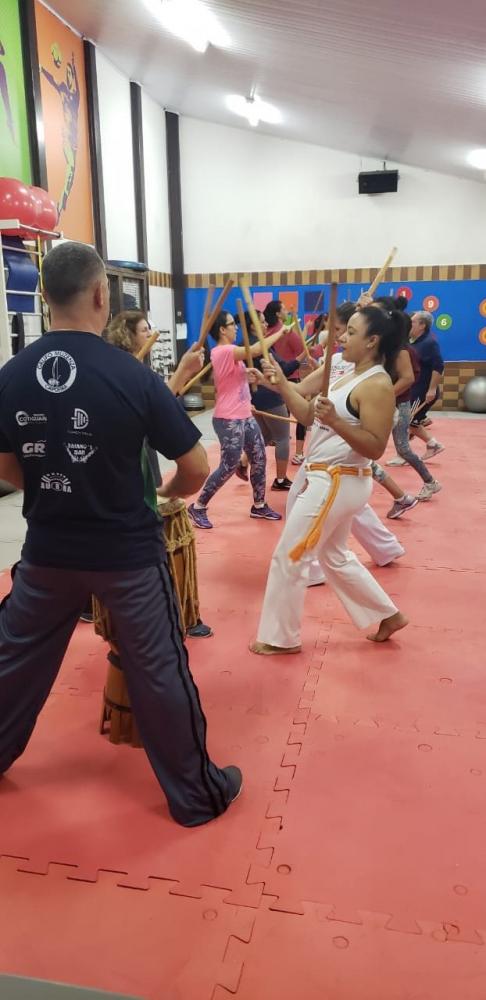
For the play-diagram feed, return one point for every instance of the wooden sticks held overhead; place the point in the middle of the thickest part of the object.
(255, 321)
(381, 273)
(208, 320)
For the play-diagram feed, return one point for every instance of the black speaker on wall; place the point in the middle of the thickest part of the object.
(378, 181)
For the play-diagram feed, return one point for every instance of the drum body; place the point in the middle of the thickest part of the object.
(181, 556)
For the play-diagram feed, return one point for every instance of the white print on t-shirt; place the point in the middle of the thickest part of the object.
(34, 449)
(80, 419)
(80, 452)
(23, 418)
(56, 371)
(57, 482)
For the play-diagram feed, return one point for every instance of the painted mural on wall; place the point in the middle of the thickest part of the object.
(14, 144)
(458, 308)
(65, 116)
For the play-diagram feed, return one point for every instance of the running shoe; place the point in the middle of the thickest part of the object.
(298, 459)
(265, 513)
(199, 516)
(396, 461)
(428, 490)
(401, 506)
(432, 451)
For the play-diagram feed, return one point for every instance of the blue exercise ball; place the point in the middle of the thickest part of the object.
(474, 394)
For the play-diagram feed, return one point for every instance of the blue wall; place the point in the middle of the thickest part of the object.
(458, 319)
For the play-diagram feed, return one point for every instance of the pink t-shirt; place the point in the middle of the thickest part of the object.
(233, 400)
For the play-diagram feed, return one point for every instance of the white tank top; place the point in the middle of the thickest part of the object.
(327, 446)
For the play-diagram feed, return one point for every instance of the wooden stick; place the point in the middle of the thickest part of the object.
(273, 416)
(330, 340)
(301, 335)
(147, 347)
(246, 340)
(196, 378)
(381, 273)
(319, 302)
(244, 334)
(207, 324)
(255, 319)
(207, 308)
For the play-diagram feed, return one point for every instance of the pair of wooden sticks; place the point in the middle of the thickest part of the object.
(210, 315)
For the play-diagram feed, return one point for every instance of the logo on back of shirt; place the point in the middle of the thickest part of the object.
(80, 452)
(80, 419)
(34, 449)
(56, 371)
(23, 418)
(56, 482)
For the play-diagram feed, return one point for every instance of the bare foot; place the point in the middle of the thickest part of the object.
(263, 649)
(388, 627)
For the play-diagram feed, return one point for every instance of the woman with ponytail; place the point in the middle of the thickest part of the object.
(351, 427)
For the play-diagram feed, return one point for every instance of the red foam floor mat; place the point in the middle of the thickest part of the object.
(352, 865)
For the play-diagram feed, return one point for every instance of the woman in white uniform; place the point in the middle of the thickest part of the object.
(380, 543)
(351, 428)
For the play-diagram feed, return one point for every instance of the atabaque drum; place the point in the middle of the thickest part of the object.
(181, 556)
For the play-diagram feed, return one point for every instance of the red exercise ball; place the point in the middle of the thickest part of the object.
(46, 211)
(17, 202)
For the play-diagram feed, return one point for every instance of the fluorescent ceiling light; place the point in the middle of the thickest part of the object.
(254, 110)
(191, 21)
(477, 159)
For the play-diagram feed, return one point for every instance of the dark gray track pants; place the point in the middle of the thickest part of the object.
(37, 620)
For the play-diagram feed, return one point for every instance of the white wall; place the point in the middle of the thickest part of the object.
(253, 203)
(117, 155)
(156, 193)
(162, 308)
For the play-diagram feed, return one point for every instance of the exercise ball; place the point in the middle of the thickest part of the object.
(474, 394)
(17, 202)
(46, 211)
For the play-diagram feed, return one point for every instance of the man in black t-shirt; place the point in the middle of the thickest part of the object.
(74, 413)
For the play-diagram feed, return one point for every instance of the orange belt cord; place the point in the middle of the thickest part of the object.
(314, 533)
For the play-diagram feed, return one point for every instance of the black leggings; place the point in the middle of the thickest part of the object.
(300, 432)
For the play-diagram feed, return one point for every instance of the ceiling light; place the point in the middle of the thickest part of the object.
(191, 21)
(477, 159)
(254, 110)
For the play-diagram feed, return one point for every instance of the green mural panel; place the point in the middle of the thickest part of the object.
(14, 138)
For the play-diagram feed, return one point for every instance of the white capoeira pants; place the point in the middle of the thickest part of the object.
(380, 543)
(362, 597)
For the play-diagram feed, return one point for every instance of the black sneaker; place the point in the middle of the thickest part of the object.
(281, 484)
(86, 617)
(235, 780)
(199, 630)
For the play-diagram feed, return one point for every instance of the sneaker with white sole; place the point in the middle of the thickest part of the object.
(428, 490)
(401, 506)
(199, 516)
(298, 459)
(432, 451)
(265, 513)
(396, 461)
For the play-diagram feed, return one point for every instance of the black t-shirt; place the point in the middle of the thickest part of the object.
(75, 412)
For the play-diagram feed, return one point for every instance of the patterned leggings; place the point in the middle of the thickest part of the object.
(236, 436)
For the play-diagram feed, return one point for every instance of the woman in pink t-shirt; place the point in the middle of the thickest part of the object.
(233, 422)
